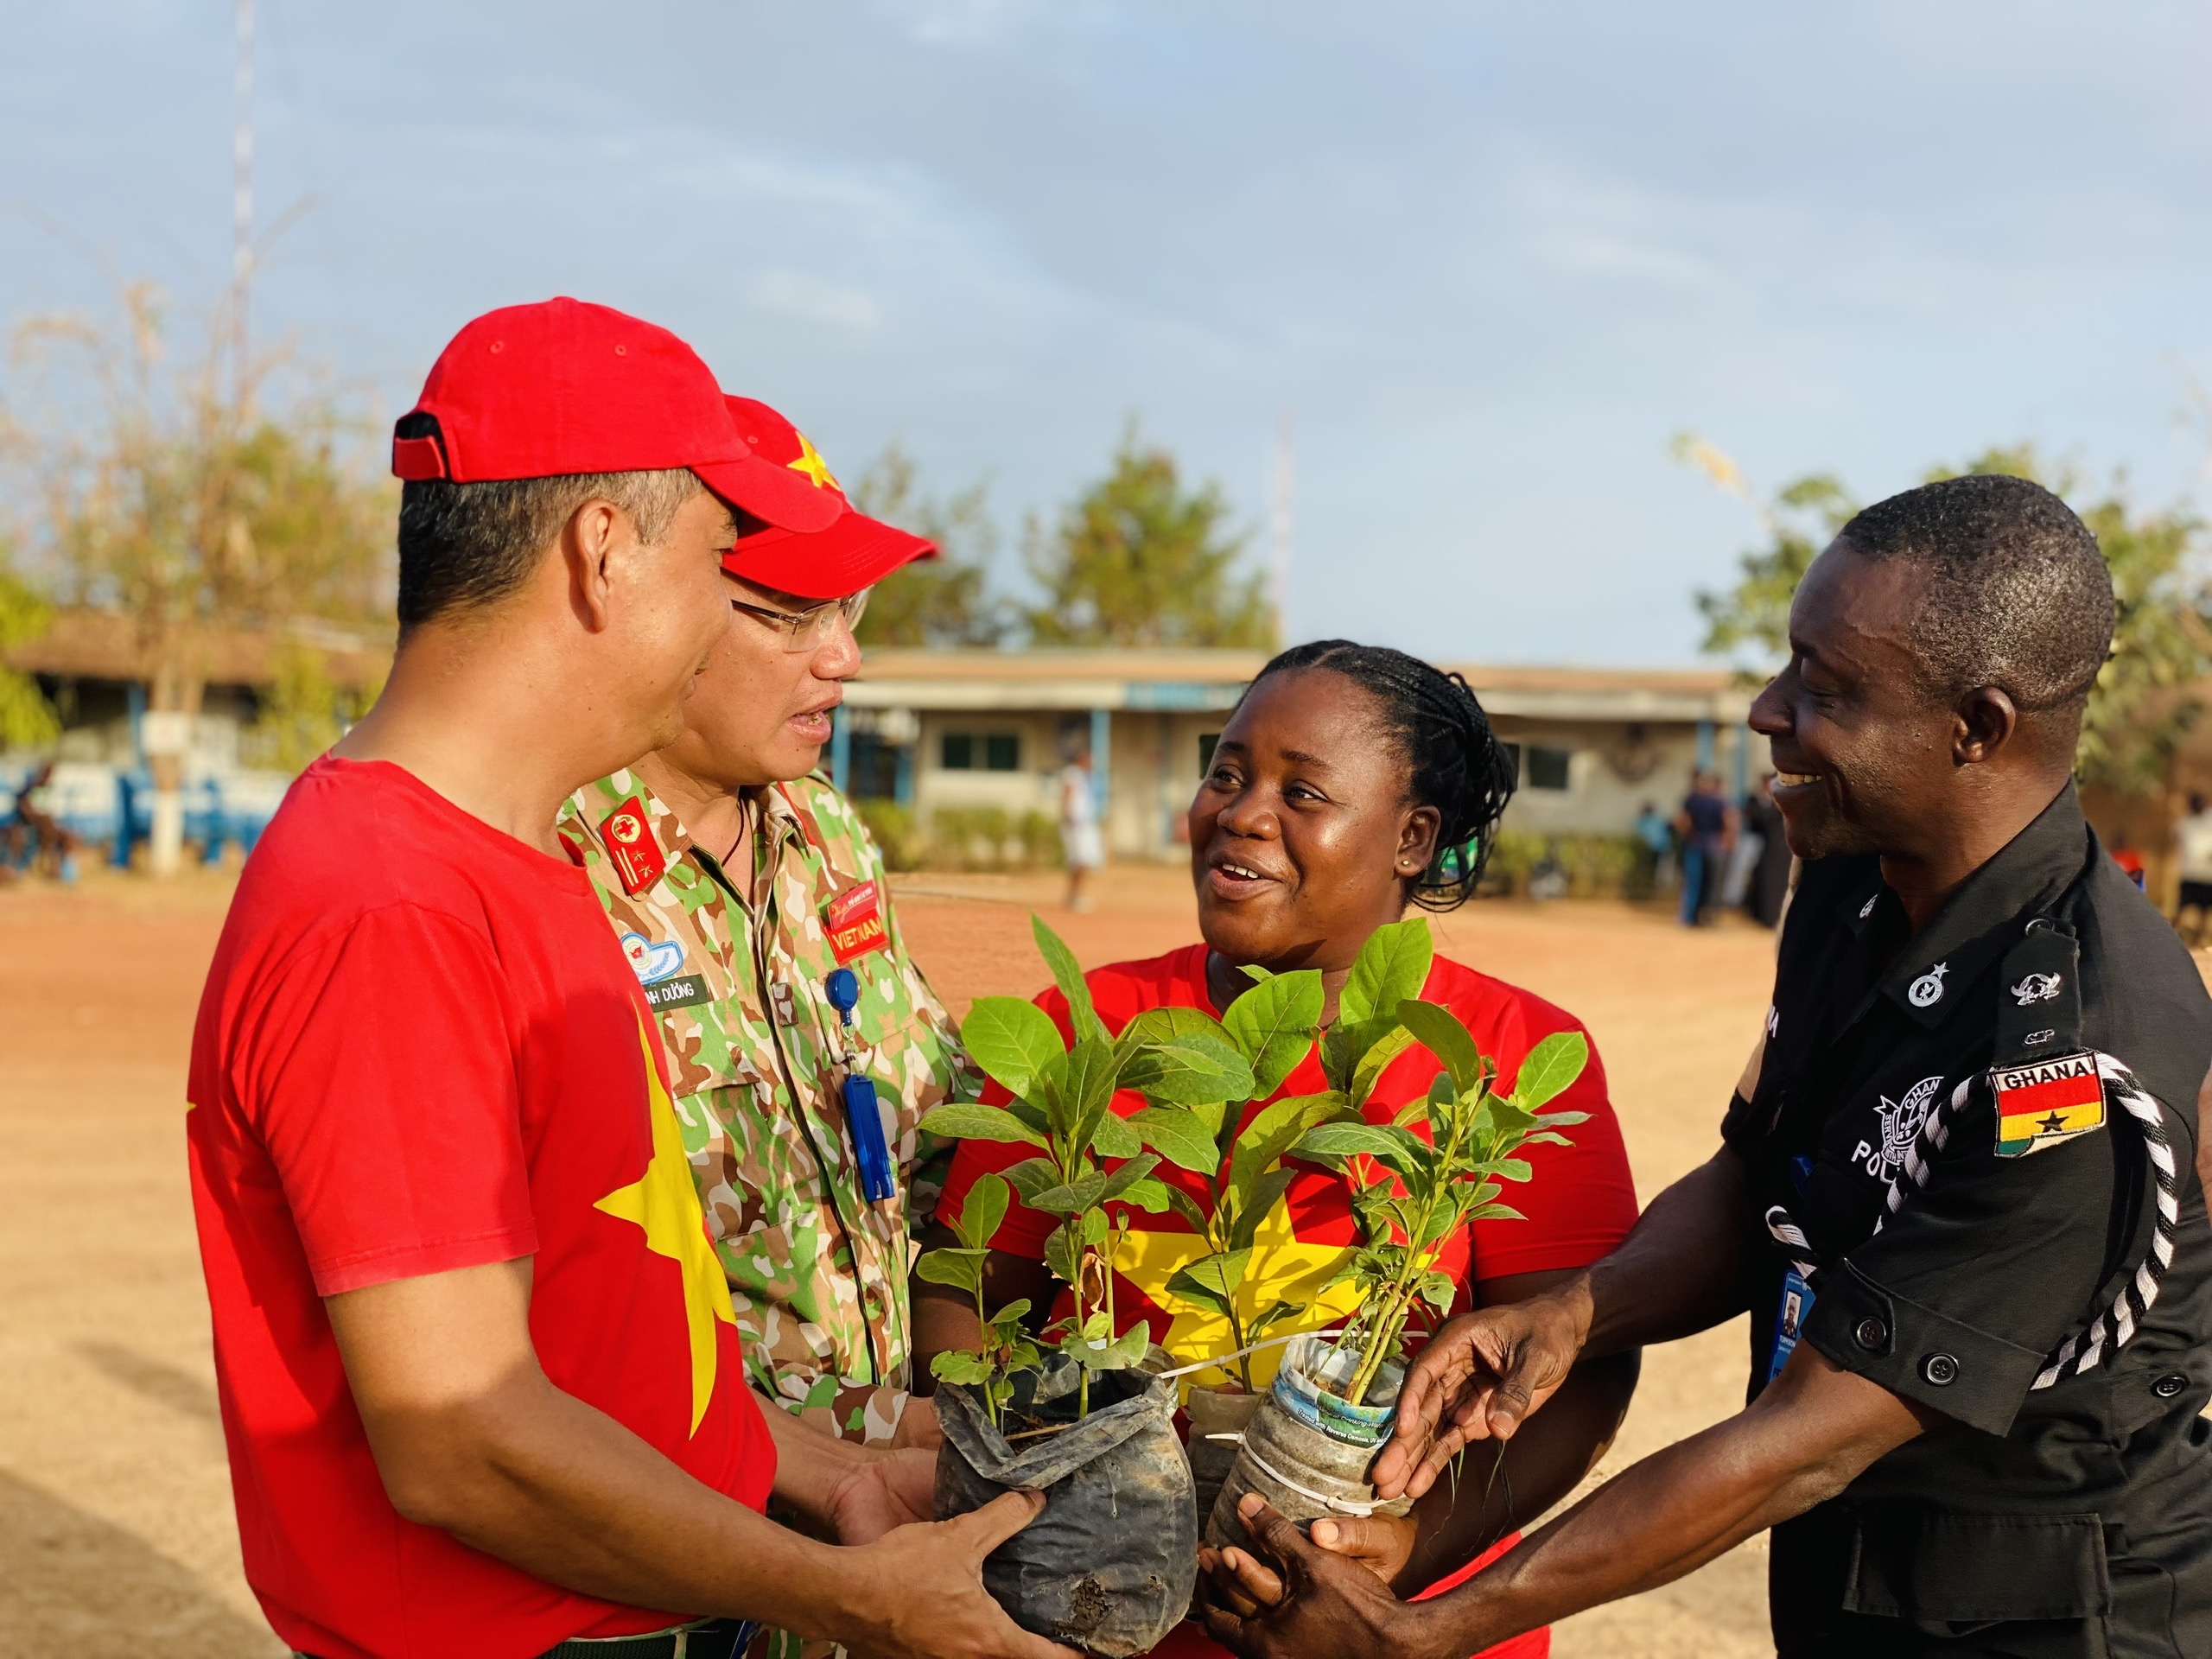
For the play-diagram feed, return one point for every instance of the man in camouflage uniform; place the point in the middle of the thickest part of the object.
(739, 880)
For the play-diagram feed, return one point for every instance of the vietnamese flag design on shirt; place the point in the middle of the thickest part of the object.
(420, 1050)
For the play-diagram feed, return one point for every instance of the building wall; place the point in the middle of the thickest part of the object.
(1613, 768)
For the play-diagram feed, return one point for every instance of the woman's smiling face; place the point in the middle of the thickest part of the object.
(1302, 837)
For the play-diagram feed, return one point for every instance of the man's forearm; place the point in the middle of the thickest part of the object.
(560, 1490)
(808, 1462)
(1679, 1272)
(1679, 1509)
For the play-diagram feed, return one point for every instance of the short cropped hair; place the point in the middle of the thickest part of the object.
(465, 546)
(2015, 593)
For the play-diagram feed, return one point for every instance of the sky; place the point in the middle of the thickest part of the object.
(1489, 258)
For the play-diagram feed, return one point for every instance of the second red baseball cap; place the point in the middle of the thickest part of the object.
(853, 551)
(562, 386)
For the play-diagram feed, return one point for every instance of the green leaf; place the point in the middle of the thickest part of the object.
(1150, 1194)
(1379, 1053)
(1128, 1175)
(1170, 1024)
(1275, 1025)
(1253, 971)
(981, 1211)
(1031, 1115)
(1011, 1039)
(1345, 1140)
(1439, 1292)
(1063, 1255)
(1272, 1132)
(1071, 1198)
(1496, 1212)
(1031, 1176)
(966, 1119)
(1116, 1137)
(1438, 1030)
(1563, 1120)
(1188, 1071)
(1511, 1169)
(1270, 1316)
(963, 1269)
(1391, 966)
(1180, 1136)
(1257, 1203)
(1089, 1081)
(953, 1366)
(1413, 1112)
(1212, 1281)
(1550, 1067)
(1187, 1207)
(1067, 973)
(1011, 1316)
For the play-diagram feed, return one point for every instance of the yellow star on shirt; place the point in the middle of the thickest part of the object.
(1283, 1269)
(664, 1202)
(810, 462)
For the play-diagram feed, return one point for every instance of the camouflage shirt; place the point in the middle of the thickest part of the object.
(735, 962)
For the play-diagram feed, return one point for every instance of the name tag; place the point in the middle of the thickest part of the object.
(2041, 1105)
(854, 922)
(682, 992)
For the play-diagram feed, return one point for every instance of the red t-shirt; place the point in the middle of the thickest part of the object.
(420, 1049)
(1579, 1204)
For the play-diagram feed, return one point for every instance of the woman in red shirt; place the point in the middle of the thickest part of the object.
(1351, 782)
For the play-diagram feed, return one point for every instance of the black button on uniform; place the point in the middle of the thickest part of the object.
(1871, 1334)
(1941, 1370)
(2169, 1385)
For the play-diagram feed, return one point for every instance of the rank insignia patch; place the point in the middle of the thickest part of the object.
(630, 844)
(2041, 1105)
(853, 921)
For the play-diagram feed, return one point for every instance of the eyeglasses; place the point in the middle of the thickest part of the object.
(810, 629)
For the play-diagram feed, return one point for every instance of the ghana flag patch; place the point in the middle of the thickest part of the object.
(2050, 1101)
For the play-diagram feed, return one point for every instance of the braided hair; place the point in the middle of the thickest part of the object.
(1455, 761)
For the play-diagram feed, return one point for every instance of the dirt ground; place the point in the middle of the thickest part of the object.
(116, 1530)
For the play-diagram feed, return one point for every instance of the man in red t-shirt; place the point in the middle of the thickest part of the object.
(480, 1383)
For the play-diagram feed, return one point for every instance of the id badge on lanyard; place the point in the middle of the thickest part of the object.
(1797, 1295)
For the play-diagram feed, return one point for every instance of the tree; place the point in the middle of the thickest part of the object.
(2147, 696)
(1138, 560)
(27, 719)
(188, 505)
(944, 602)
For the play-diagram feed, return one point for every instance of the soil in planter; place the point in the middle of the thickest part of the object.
(1109, 1566)
(1216, 1411)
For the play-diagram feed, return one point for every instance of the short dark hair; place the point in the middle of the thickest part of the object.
(464, 546)
(2016, 595)
(1454, 761)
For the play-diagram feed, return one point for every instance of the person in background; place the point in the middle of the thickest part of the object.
(2128, 858)
(1707, 825)
(1768, 893)
(2194, 838)
(1082, 845)
(1655, 848)
(1353, 785)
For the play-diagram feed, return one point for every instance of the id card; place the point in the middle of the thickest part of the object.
(1788, 1320)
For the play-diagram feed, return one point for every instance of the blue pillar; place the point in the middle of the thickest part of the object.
(1102, 759)
(119, 852)
(1743, 740)
(902, 785)
(1705, 744)
(840, 748)
(136, 691)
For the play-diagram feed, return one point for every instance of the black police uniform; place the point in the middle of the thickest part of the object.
(2071, 1520)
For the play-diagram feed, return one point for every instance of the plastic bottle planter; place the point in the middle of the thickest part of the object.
(1226, 1412)
(1109, 1566)
(1308, 1450)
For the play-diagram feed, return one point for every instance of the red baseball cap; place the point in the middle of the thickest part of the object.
(854, 551)
(559, 387)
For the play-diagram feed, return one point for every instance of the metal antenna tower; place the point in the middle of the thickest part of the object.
(242, 199)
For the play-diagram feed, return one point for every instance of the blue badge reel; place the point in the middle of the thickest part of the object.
(862, 1115)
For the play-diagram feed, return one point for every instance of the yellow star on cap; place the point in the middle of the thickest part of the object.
(664, 1202)
(810, 462)
(1282, 1270)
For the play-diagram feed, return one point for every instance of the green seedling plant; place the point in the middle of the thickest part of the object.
(1007, 1348)
(1439, 1184)
(1062, 1105)
(1274, 1026)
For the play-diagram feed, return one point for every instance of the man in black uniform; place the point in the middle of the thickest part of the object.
(1955, 1191)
